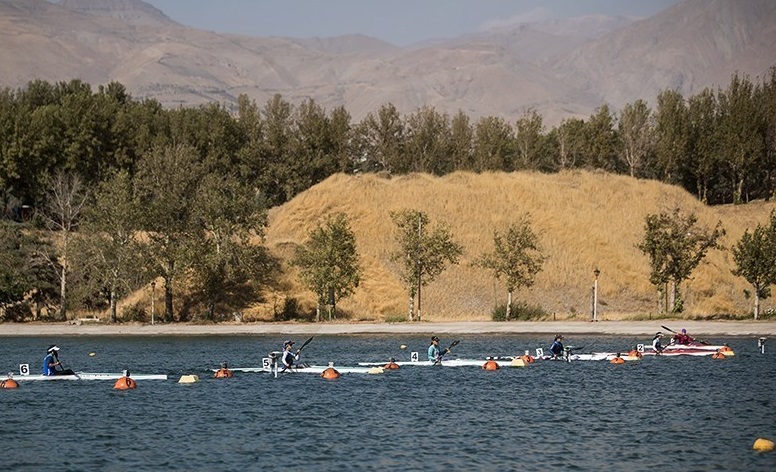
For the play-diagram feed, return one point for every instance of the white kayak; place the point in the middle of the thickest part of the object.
(502, 361)
(90, 376)
(304, 369)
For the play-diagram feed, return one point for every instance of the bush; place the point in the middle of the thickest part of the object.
(520, 311)
(133, 313)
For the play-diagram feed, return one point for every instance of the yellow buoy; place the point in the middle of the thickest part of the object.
(375, 370)
(517, 362)
(188, 379)
(763, 445)
(403, 346)
(91, 354)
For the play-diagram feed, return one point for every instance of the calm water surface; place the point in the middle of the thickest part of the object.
(684, 413)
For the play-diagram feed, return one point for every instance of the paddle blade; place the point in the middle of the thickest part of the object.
(306, 343)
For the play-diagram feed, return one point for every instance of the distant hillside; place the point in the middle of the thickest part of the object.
(586, 220)
(561, 67)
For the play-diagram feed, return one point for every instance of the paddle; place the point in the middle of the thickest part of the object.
(64, 370)
(671, 330)
(439, 360)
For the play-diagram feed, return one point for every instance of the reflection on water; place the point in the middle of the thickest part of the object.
(685, 413)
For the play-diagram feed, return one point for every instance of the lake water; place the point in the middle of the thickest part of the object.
(680, 413)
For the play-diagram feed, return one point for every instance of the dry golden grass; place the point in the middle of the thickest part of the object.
(586, 220)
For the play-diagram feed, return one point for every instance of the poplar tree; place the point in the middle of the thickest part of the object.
(424, 252)
(329, 263)
(516, 257)
(755, 258)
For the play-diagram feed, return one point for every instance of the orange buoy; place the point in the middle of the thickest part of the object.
(617, 360)
(391, 366)
(527, 358)
(330, 373)
(224, 374)
(634, 354)
(490, 365)
(727, 351)
(9, 383)
(125, 383)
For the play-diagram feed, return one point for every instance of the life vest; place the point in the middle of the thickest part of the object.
(391, 366)
(717, 355)
(528, 359)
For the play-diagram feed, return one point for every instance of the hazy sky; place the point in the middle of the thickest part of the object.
(400, 22)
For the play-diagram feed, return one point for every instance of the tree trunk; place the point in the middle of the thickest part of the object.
(756, 303)
(412, 306)
(168, 317)
(318, 312)
(509, 306)
(113, 305)
(63, 293)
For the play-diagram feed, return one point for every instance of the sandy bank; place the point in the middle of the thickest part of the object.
(697, 328)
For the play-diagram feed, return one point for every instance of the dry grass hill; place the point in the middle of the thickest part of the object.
(586, 220)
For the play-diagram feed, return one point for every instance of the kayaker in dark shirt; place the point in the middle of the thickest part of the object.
(656, 344)
(557, 347)
(289, 357)
(51, 362)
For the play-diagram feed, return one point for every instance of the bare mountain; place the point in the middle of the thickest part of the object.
(690, 46)
(561, 67)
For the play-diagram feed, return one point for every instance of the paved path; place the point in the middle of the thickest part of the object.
(695, 328)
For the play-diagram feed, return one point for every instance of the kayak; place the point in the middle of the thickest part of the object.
(693, 349)
(502, 361)
(90, 376)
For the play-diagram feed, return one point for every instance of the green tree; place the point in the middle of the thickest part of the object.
(328, 263)
(676, 245)
(570, 136)
(755, 258)
(226, 216)
(424, 252)
(740, 137)
(671, 133)
(516, 258)
(703, 156)
(22, 272)
(427, 142)
(494, 145)
(62, 214)
(166, 183)
(636, 134)
(601, 140)
(529, 139)
(108, 246)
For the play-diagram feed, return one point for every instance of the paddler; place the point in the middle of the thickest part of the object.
(657, 345)
(434, 352)
(557, 347)
(289, 357)
(682, 338)
(51, 362)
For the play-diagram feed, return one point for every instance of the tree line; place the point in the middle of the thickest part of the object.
(719, 144)
(107, 181)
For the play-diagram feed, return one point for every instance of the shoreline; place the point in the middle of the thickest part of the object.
(640, 328)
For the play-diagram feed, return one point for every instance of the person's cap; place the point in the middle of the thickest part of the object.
(658, 333)
(53, 348)
(684, 331)
(434, 338)
(288, 343)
